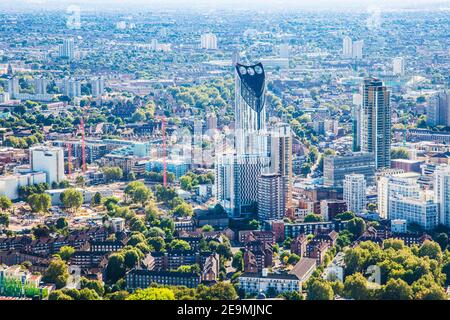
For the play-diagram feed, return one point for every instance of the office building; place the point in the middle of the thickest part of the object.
(355, 192)
(49, 160)
(208, 41)
(336, 167)
(376, 122)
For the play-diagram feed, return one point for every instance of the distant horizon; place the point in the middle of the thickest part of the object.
(195, 5)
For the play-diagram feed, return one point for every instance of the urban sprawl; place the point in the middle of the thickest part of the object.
(230, 155)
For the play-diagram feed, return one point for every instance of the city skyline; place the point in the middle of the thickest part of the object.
(287, 150)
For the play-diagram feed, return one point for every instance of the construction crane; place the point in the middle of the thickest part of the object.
(83, 145)
(69, 159)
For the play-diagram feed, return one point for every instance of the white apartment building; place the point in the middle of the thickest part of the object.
(67, 49)
(442, 193)
(400, 197)
(403, 184)
(419, 211)
(49, 160)
(347, 47)
(98, 86)
(357, 49)
(398, 66)
(10, 184)
(208, 41)
(355, 192)
(271, 196)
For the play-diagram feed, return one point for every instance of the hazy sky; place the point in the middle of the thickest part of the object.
(221, 4)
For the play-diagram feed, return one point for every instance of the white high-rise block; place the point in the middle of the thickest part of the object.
(355, 192)
(49, 160)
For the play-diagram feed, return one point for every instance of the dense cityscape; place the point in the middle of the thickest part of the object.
(224, 154)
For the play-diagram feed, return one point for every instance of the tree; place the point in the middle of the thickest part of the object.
(112, 174)
(399, 153)
(88, 294)
(116, 267)
(218, 291)
(207, 228)
(355, 287)
(96, 199)
(157, 243)
(39, 202)
(61, 223)
(396, 289)
(95, 285)
(59, 295)
(152, 294)
(319, 290)
(430, 249)
(118, 295)
(56, 273)
(433, 292)
(131, 176)
(142, 195)
(4, 219)
(312, 218)
(442, 240)
(131, 258)
(356, 226)
(224, 250)
(40, 231)
(293, 259)
(79, 181)
(66, 252)
(238, 261)
(253, 224)
(131, 188)
(183, 210)
(71, 199)
(345, 216)
(178, 244)
(186, 182)
(5, 202)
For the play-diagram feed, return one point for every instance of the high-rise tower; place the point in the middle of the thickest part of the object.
(376, 122)
(238, 172)
(250, 111)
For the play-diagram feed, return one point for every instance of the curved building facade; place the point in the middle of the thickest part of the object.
(250, 111)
